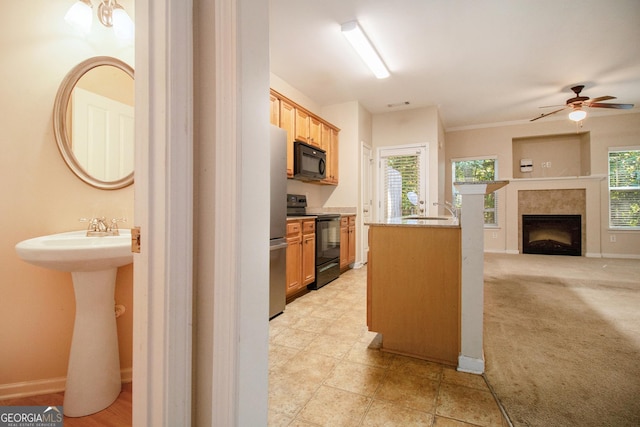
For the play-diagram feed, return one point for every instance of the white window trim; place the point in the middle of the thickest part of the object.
(612, 227)
(496, 177)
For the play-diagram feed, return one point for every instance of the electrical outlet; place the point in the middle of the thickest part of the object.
(494, 235)
(612, 238)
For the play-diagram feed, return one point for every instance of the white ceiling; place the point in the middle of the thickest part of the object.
(479, 61)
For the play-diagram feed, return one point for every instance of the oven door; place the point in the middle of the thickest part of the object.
(327, 239)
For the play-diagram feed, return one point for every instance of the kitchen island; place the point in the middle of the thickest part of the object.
(413, 287)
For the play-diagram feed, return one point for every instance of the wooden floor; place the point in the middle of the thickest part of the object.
(116, 415)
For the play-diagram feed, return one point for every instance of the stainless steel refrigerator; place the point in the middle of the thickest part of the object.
(278, 212)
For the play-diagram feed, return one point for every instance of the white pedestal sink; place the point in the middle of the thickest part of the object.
(93, 375)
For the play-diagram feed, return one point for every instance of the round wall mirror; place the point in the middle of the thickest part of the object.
(94, 124)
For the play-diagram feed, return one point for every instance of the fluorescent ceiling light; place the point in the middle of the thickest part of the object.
(352, 31)
(577, 115)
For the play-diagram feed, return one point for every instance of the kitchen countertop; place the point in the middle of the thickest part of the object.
(297, 218)
(441, 221)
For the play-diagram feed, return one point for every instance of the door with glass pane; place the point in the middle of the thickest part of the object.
(403, 182)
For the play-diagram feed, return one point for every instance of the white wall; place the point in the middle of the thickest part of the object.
(415, 126)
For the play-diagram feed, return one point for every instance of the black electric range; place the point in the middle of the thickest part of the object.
(327, 257)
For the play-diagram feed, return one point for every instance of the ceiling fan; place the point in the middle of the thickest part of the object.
(577, 102)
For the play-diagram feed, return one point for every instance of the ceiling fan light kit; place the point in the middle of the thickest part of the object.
(577, 115)
(577, 102)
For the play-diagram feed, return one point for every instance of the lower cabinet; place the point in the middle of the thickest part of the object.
(301, 254)
(347, 241)
(308, 252)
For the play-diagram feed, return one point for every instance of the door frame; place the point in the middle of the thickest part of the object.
(189, 247)
(380, 177)
(163, 209)
(366, 179)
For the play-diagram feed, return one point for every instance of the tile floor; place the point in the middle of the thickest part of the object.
(326, 369)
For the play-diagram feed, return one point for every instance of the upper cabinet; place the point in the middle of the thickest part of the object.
(302, 125)
(315, 131)
(288, 123)
(274, 110)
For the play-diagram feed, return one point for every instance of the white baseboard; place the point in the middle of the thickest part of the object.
(593, 255)
(513, 251)
(624, 256)
(470, 365)
(46, 386)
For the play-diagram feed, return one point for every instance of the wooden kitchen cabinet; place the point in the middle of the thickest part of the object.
(347, 241)
(301, 255)
(294, 256)
(302, 125)
(315, 131)
(413, 290)
(308, 252)
(305, 126)
(288, 123)
(352, 239)
(274, 110)
(330, 145)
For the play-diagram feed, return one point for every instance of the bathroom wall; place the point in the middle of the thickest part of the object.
(40, 195)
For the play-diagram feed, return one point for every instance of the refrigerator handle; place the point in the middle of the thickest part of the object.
(278, 246)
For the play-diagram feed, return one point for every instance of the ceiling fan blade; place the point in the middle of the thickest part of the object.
(618, 106)
(547, 114)
(598, 99)
(551, 106)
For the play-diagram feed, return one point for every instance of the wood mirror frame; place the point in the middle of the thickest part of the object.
(61, 125)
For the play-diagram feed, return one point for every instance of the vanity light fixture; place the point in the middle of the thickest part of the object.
(577, 114)
(110, 14)
(354, 34)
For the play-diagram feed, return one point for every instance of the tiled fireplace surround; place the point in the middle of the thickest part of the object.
(552, 202)
(562, 195)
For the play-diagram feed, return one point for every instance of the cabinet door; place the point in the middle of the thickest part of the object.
(333, 160)
(326, 146)
(302, 125)
(288, 123)
(344, 247)
(315, 131)
(294, 263)
(308, 258)
(274, 110)
(352, 244)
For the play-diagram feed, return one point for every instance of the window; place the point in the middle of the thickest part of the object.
(624, 188)
(477, 169)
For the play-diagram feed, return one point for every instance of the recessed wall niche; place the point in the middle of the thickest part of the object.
(565, 155)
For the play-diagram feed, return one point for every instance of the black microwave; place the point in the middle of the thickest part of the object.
(309, 162)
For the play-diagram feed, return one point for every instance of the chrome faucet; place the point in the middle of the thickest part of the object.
(448, 206)
(99, 227)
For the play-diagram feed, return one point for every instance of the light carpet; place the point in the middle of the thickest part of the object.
(562, 339)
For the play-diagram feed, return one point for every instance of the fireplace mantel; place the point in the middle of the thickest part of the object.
(598, 177)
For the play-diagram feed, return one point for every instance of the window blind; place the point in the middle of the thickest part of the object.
(401, 177)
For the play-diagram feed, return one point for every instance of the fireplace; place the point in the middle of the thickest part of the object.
(552, 234)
